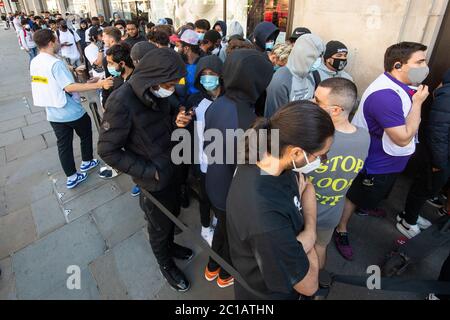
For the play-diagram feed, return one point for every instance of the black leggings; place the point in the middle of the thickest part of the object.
(64, 138)
(220, 243)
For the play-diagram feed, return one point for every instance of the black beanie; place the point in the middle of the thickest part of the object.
(334, 47)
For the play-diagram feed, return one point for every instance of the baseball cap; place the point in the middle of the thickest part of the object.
(190, 37)
(298, 32)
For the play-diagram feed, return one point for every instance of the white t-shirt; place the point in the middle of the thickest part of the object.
(91, 53)
(70, 52)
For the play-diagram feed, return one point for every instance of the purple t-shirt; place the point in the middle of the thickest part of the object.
(383, 109)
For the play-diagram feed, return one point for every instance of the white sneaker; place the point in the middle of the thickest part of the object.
(423, 223)
(208, 234)
(409, 231)
(432, 297)
(214, 222)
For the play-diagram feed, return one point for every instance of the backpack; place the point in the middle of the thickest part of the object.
(71, 31)
(317, 79)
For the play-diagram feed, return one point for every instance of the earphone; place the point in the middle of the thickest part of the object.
(398, 66)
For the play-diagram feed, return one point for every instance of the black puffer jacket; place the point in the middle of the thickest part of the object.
(438, 128)
(136, 127)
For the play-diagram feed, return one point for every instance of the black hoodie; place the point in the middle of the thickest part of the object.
(223, 26)
(213, 63)
(246, 74)
(136, 128)
(264, 32)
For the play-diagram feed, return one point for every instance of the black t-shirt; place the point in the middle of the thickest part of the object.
(264, 217)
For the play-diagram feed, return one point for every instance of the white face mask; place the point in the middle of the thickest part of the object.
(176, 49)
(162, 93)
(309, 167)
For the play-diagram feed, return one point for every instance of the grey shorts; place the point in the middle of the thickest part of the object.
(324, 237)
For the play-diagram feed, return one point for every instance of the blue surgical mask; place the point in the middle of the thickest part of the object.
(316, 64)
(114, 72)
(269, 45)
(209, 82)
(200, 36)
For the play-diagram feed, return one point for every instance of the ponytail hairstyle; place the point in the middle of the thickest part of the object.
(299, 124)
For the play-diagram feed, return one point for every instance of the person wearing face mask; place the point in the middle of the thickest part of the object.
(295, 81)
(201, 27)
(271, 207)
(265, 35)
(211, 43)
(279, 55)
(246, 74)
(70, 44)
(122, 26)
(110, 37)
(135, 138)
(54, 88)
(333, 63)
(190, 53)
(26, 39)
(390, 110)
(120, 67)
(209, 82)
(345, 160)
(82, 34)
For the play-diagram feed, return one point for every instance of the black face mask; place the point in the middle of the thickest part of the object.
(339, 64)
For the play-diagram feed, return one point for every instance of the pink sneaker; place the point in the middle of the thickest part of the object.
(343, 245)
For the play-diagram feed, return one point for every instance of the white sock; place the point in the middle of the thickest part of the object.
(72, 177)
(85, 163)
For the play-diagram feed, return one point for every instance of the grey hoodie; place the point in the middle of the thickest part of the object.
(326, 73)
(295, 81)
(234, 28)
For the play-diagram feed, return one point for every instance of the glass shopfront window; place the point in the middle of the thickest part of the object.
(275, 11)
(52, 6)
(130, 9)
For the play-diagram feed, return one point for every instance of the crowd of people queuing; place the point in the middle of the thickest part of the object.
(273, 219)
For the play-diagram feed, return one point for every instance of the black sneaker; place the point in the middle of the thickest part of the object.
(184, 196)
(435, 202)
(175, 278)
(181, 253)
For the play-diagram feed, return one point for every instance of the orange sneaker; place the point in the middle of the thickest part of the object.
(223, 283)
(211, 275)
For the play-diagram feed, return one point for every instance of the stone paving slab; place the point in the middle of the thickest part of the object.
(10, 137)
(50, 139)
(88, 290)
(118, 219)
(25, 148)
(12, 108)
(22, 194)
(36, 129)
(40, 268)
(12, 124)
(91, 183)
(2, 157)
(35, 117)
(7, 281)
(17, 230)
(137, 267)
(105, 272)
(37, 164)
(92, 200)
(200, 289)
(3, 209)
(48, 215)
